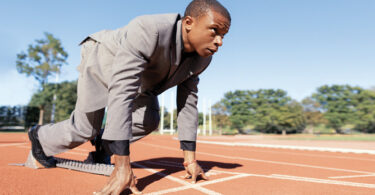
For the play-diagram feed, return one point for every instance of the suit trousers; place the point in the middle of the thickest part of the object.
(82, 127)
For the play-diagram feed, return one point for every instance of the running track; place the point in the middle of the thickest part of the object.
(156, 161)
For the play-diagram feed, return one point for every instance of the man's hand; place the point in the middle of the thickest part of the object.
(121, 178)
(192, 167)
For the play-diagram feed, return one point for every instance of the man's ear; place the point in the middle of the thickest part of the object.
(188, 22)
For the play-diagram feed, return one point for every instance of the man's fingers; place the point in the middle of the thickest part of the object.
(106, 188)
(204, 176)
(194, 177)
(197, 170)
(135, 179)
(132, 186)
(187, 176)
(135, 190)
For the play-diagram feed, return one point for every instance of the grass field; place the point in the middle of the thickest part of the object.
(333, 137)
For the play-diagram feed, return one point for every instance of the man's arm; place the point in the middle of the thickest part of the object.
(135, 48)
(187, 121)
(187, 111)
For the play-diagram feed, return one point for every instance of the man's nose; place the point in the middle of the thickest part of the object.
(218, 41)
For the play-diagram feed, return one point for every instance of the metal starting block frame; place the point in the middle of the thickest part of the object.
(97, 168)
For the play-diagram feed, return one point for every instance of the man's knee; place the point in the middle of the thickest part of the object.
(153, 124)
(88, 124)
(146, 116)
(146, 120)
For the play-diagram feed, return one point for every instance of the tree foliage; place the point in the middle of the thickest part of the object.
(66, 95)
(18, 116)
(42, 60)
(338, 103)
(365, 111)
(312, 112)
(220, 116)
(269, 110)
(345, 104)
(167, 119)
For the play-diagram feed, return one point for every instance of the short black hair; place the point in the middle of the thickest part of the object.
(197, 8)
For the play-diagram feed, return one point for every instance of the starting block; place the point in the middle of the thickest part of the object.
(94, 168)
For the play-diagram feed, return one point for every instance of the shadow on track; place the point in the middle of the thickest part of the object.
(170, 165)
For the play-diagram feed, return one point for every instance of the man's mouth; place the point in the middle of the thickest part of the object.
(212, 50)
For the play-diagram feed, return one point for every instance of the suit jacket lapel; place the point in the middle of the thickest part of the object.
(176, 50)
(183, 71)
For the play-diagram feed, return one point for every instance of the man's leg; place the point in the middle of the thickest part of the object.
(68, 134)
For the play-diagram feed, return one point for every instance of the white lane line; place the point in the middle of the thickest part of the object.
(201, 184)
(16, 144)
(301, 154)
(172, 164)
(273, 176)
(323, 181)
(311, 148)
(180, 181)
(352, 176)
(267, 161)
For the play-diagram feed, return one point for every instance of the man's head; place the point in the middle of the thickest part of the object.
(204, 25)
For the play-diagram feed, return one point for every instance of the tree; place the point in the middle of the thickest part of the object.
(312, 112)
(43, 59)
(11, 116)
(365, 111)
(167, 119)
(66, 97)
(220, 116)
(43, 100)
(338, 103)
(66, 93)
(238, 105)
(269, 110)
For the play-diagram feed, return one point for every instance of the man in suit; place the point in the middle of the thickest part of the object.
(124, 70)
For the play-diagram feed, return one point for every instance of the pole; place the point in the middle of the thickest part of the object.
(209, 118)
(204, 116)
(54, 100)
(162, 115)
(171, 110)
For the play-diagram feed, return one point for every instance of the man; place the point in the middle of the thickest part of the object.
(124, 70)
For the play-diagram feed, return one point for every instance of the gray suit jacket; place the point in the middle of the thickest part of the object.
(143, 58)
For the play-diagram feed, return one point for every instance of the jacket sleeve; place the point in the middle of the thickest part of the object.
(187, 111)
(135, 48)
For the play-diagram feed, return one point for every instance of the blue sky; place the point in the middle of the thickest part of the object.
(294, 45)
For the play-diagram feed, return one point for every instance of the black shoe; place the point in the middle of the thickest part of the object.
(37, 151)
(97, 157)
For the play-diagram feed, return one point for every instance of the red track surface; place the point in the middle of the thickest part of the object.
(232, 170)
